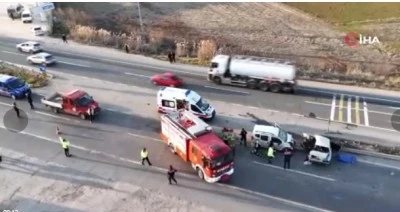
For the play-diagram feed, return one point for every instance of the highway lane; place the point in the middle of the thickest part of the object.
(303, 103)
(336, 187)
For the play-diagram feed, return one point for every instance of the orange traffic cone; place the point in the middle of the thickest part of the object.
(58, 131)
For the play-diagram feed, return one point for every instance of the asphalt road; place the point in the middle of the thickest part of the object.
(338, 187)
(347, 107)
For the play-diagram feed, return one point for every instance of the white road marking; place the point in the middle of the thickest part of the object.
(224, 89)
(74, 64)
(349, 109)
(286, 201)
(145, 137)
(143, 65)
(138, 75)
(14, 53)
(378, 164)
(51, 115)
(395, 108)
(333, 108)
(366, 119)
(333, 93)
(296, 171)
(5, 104)
(370, 111)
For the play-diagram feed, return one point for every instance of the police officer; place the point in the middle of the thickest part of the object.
(16, 109)
(243, 137)
(65, 146)
(270, 153)
(29, 98)
(144, 154)
(171, 175)
(287, 155)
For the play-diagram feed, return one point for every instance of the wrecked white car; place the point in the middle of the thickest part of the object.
(319, 148)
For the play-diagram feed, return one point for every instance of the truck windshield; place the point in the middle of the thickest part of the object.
(214, 65)
(221, 160)
(202, 104)
(84, 100)
(282, 135)
(16, 83)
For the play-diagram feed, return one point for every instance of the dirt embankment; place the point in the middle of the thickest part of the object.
(260, 29)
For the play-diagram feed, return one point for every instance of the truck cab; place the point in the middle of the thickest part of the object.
(174, 99)
(14, 11)
(76, 102)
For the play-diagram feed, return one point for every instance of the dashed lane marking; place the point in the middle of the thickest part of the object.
(51, 115)
(225, 89)
(74, 64)
(14, 53)
(286, 201)
(138, 75)
(296, 171)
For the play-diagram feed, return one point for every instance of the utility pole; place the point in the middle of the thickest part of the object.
(140, 18)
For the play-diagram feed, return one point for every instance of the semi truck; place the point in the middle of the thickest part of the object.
(194, 141)
(261, 73)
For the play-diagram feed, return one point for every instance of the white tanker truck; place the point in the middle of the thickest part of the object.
(261, 73)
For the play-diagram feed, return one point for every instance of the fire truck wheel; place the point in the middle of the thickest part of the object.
(200, 173)
(172, 148)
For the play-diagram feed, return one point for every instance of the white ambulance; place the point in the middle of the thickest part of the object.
(173, 99)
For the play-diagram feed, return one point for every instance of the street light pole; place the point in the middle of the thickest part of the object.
(140, 18)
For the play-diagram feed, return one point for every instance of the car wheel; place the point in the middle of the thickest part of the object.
(31, 51)
(31, 62)
(55, 110)
(20, 49)
(82, 116)
(264, 86)
(200, 173)
(217, 80)
(154, 82)
(275, 88)
(13, 97)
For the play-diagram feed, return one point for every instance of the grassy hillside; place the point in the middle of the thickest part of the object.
(342, 13)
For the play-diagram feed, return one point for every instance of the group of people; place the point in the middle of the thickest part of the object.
(287, 156)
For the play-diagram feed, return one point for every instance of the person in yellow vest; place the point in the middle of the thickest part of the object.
(65, 146)
(270, 153)
(144, 154)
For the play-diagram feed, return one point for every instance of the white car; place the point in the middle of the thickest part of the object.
(41, 58)
(37, 31)
(321, 151)
(30, 47)
(280, 139)
(26, 16)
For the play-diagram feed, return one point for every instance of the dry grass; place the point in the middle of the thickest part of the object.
(34, 79)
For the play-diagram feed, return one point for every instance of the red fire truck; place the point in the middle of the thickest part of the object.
(195, 142)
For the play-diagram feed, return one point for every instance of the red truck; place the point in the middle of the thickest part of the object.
(76, 102)
(195, 142)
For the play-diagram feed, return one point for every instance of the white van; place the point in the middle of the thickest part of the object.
(26, 16)
(37, 31)
(173, 99)
(263, 135)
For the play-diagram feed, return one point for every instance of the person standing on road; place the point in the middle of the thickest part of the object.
(29, 98)
(64, 38)
(127, 48)
(173, 56)
(287, 156)
(170, 56)
(65, 145)
(16, 109)
(270, 153)
(171, 175)
(243, 137)
(144, 154)
(90, 112)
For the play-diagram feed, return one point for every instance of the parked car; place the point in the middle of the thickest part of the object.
(30, 47)
(263, 135)
(319, 148)
(13, 87)
(167, 79)
(37, 31)
(42, 58)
